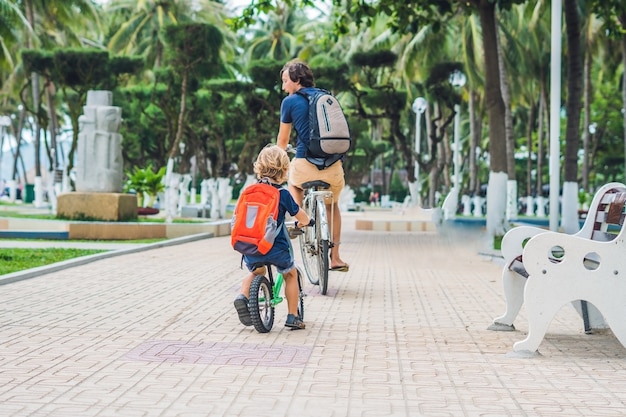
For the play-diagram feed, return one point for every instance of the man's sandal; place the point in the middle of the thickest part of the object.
(340, 268)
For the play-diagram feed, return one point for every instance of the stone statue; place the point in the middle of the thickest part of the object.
(183, 191)
(99, 165)
(225, 192)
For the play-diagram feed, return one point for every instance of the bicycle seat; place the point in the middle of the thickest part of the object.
(259, 269)
(316, 183)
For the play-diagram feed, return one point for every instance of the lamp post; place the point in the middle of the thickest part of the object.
(419, 107)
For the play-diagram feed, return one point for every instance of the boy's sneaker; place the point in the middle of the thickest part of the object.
(241, 305)
(294, 322)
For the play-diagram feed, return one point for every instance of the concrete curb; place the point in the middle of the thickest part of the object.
(83, 260)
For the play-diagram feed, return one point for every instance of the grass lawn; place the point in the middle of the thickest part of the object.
(19, 259)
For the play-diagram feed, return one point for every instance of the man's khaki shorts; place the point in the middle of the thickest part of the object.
(302, 171)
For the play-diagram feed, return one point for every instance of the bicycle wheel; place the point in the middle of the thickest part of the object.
(321, 224)
(259, 304)
(308, 249)
(300, 294)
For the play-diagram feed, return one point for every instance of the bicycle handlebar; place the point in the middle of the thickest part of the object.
(311, 223)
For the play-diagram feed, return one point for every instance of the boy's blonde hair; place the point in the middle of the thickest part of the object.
(272, 163)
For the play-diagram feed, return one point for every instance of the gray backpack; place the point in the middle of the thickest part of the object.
(328, 129)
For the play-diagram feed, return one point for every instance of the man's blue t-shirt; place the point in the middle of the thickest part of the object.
(295, 110)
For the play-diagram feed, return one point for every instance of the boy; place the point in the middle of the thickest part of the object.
(272, 165)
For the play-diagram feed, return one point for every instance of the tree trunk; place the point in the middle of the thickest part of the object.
(496, 197)
(75, 111)
(543, 117)
(574, 89)
(587, 118)
(30, 14)
(52, 126)
(18, 141)
(181, 116)
(446, 159)
(623, 20)
(475, 133)
(529, 145)
(511, 192)
(569, 212)
(508, 118)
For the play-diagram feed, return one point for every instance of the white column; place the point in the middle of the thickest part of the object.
(555, 113)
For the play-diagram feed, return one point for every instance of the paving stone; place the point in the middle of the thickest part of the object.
(403, 333)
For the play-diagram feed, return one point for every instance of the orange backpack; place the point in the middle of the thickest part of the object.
(254, 224)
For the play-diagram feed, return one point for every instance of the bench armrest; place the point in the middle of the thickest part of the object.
(588, 226)
(514, 240)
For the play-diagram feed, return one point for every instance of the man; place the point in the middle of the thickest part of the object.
(294, 111)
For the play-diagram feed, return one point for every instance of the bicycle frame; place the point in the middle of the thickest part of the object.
(276, 287)
(319, 197)
(316, 242)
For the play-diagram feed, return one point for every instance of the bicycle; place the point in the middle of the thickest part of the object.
(316, 241)
(265, 296)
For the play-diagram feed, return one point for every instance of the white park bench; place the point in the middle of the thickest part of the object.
(547, 270)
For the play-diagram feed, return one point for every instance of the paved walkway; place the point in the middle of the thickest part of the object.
(403, 333)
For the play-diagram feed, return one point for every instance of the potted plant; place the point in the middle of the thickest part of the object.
(146, 184)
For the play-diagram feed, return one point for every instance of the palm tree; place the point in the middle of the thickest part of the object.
(613, 15)
(51, 23)
(194, 51)
(530, 38)
(524, 57)
(136, 25)
(593, 36)
(11, 21)
(12, 25)
(274, 37)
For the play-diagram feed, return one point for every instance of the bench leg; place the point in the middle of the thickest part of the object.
(613, 311)
(514, 294)
(543, 302)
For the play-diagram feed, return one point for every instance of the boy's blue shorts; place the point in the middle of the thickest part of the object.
(282, 260)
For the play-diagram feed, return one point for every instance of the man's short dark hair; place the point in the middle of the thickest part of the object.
(299, 71)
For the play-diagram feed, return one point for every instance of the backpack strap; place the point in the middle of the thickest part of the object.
(266, 180)
(302, 94)
(306, 95)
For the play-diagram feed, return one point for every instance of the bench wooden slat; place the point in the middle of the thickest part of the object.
(616, 209)
(608, 197)
(517, 266)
